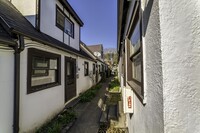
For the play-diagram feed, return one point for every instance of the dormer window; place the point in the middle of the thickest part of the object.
(64, 23)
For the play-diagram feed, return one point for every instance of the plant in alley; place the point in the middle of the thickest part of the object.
(114, 85)
(57, 124)
(88, 95)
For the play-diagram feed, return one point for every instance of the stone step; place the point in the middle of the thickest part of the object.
(103, 118)
(112, 112)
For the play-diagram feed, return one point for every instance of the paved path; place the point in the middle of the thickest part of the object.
(89, 114)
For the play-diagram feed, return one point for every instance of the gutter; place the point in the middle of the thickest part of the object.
(18, 49)
(46, 43)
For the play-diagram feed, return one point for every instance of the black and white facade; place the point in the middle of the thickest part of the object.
(43, 66)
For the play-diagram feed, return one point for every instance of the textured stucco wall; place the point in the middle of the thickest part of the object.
(38, 107)
(7, 90)
(180, 39)
(149, 118)
(84, 82)
(48, 23)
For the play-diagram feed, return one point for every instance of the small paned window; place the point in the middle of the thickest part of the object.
(86, 68)
(43, 70)
(94, 68)
(60, 19)
(69, 27)
(99, 68)
(64, 23)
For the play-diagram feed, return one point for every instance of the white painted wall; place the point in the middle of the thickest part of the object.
(48, 19)
(75, 42)
(7, 90)
(149, 118)
(38, 107)
(84, 82)
(171, 69)
(180, 40)
(27, 8)
(48, 24)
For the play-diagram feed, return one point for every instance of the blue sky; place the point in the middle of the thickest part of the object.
(100, 21)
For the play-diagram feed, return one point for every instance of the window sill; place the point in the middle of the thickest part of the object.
(41, 87)
(137, 89)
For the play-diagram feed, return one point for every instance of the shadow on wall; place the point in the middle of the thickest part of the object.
(146, 15)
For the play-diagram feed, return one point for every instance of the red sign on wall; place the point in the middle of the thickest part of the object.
(129, 102)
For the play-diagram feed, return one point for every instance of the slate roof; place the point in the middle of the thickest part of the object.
(5, 37)
(97, 47)
(15, 22)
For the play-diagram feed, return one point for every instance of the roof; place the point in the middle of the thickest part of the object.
(121, 21)
(87, 50)
(14, 22)
(86, 54)
(5, 37)
(71, 11)
(97, 47)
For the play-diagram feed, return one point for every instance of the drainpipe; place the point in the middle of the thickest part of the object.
(18, 49)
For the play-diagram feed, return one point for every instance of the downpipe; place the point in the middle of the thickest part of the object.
(18, 49)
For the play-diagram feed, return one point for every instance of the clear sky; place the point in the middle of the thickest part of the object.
(100, 21)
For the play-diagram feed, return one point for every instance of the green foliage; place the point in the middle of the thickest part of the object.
(114, 85)
(57, 124)
(88, 95)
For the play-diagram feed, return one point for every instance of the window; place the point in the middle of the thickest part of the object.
(134, 48)
(60, 19)
(99, 68)
(102, 68)
(64, 23)
(68, 27)
(86, 68)
(43, 70)
(94, 68)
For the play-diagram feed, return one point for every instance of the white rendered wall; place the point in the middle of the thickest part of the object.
(38, 107)
(27, 8)
(149, 118)
(48, 19)
(180, 39)
(75, 42)
(84, 82)
(7, 90)
(48, 24)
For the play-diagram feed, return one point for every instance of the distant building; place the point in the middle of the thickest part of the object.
(97, 50)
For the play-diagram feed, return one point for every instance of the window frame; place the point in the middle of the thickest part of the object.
(86, 70)
(32, 52)
(66, 18)
(94, 68)
(137, 86)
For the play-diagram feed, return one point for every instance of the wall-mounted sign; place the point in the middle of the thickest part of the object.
(128, 100)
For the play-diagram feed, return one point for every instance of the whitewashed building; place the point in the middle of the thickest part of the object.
(158, 44)
(41, 62)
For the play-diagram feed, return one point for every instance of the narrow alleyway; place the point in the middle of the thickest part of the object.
(88, 114)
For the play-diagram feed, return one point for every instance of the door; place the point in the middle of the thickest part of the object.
(97, 75)
(70, 78)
